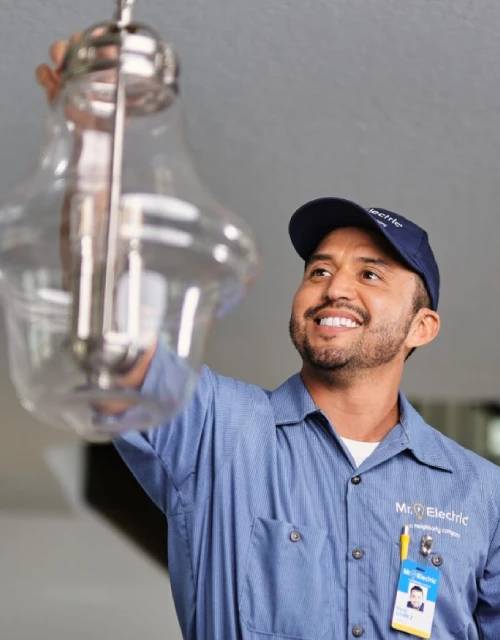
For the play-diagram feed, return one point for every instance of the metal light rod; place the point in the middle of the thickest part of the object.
(124, 10)
(124, 15)
(100, 346)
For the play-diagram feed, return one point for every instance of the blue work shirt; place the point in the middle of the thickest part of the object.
(274, 533)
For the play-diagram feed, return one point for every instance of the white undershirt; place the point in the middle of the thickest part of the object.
(360, 450)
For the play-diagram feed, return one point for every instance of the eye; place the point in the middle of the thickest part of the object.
(319, 272)
(367, 274)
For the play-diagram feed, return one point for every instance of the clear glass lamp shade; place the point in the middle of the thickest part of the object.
(77, 358)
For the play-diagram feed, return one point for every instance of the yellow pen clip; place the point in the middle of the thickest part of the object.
(404, 542)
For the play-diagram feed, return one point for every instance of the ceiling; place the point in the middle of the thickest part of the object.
(394, 104)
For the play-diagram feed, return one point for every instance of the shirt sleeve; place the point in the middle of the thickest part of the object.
(488, 607)
(163, 458)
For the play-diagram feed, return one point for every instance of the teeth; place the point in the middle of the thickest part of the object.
(336, 321)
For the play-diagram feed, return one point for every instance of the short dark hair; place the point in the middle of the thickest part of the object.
(421, 300)
(416, 588)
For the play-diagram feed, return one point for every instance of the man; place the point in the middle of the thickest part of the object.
(416, 600)
(285, 508)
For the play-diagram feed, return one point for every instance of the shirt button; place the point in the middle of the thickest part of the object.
(357, 554)
(357, 631)
(356, 479)
(295, 536)
(437, 560)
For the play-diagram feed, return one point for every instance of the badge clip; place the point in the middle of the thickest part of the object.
(426, 545)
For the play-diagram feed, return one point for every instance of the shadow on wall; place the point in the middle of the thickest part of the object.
(112, 490)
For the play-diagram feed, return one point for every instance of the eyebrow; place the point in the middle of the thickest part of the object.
(377, 261)
(320, 257)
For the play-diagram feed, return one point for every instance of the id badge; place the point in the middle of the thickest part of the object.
(416, 599)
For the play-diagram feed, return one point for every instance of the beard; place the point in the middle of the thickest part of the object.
(377, 345)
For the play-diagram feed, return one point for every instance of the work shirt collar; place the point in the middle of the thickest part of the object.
(292, 404)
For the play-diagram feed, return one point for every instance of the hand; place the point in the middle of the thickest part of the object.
(49, 77)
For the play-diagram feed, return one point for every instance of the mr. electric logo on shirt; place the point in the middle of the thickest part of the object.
(421, 511)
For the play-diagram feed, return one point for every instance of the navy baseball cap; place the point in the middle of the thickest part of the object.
(314, 219)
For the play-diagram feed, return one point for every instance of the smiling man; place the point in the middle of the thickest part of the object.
(285, 508)
(351, 322)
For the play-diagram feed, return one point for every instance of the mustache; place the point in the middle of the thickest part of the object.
(339, 306)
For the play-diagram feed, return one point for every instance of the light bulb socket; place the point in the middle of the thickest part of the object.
(148, 67)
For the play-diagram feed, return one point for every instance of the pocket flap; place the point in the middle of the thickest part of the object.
(288, 581)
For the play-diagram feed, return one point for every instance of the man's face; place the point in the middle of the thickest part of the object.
(416, 598)
(354, 307)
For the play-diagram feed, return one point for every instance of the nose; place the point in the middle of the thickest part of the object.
(341, 285)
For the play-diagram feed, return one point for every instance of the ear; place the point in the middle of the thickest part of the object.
(424, 328)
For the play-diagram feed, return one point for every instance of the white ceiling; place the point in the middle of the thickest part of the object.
(394, 104)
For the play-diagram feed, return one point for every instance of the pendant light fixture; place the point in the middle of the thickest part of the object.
(113, 250)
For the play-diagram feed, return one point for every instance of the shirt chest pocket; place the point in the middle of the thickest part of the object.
(288, 581)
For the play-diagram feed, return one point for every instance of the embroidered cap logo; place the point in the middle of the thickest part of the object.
(386, 217)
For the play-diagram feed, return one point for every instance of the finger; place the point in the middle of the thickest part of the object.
(44, 75)
(57, 51)
(59, 48)
(75, 37)
(49, 80)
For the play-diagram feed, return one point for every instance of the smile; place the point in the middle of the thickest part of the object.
(337, 321)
